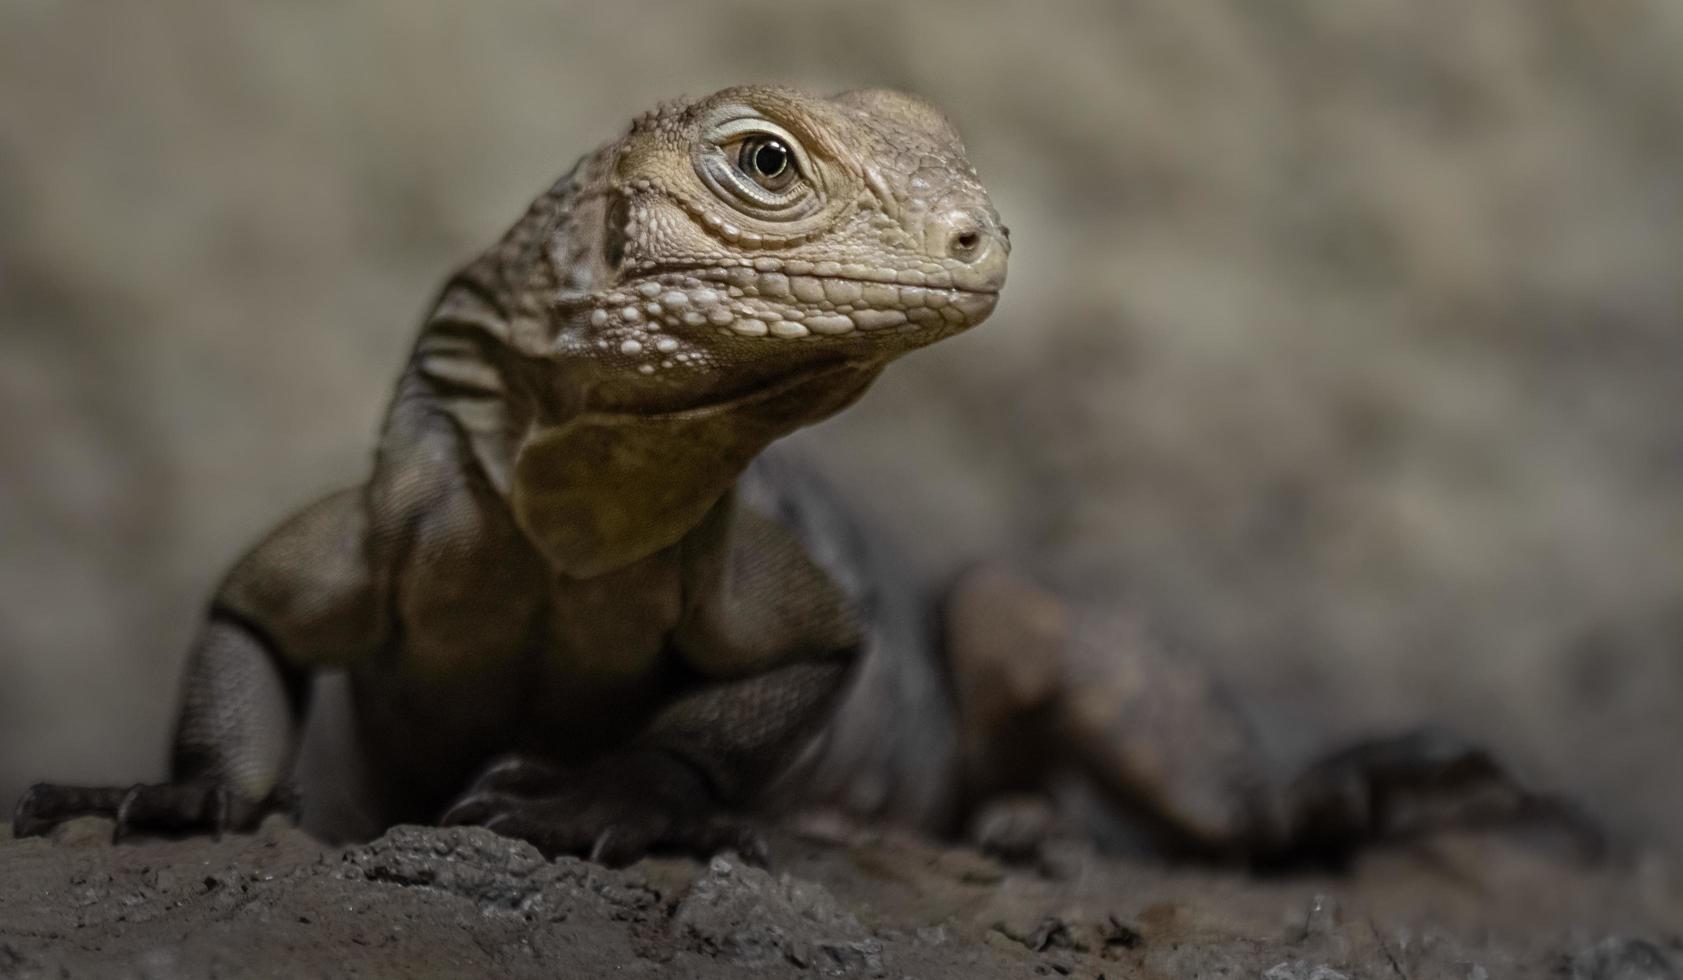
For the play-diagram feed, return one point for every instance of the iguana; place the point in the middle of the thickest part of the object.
(581, 601)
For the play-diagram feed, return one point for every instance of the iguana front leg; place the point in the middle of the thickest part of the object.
(300, 600)
(680, 785)
(233, 747)
(766, 643)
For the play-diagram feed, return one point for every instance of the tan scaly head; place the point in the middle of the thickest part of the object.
(760, 233)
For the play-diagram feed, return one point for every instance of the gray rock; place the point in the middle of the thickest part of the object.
(744, 913)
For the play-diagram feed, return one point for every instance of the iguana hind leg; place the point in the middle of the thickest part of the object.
(299, 600)
(1153, 737)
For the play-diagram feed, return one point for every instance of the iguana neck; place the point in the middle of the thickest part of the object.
(598, 490)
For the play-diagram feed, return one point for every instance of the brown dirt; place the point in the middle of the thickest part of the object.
(466, 902)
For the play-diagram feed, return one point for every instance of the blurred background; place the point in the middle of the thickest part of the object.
(1343, 338)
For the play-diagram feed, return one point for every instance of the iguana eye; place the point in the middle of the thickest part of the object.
(759, 168)
(767, 162)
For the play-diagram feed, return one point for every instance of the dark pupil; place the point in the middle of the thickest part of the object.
(771, 158)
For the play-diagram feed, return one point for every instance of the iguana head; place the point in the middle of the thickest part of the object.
(729, 270)
(758, 234)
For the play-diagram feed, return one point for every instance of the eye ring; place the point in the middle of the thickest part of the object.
(758, 168)
(767, 161)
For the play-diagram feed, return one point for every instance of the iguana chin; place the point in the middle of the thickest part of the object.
(578, 601)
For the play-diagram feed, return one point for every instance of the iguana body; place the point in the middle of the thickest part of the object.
(572, 605)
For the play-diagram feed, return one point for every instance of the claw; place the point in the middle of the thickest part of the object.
(24, 821)
(745, 841)
(125, 813)
(602, 850)
(520, 775)
(756, 852)
(476, 809)
(23, 817)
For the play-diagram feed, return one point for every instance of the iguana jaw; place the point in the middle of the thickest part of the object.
(700, 345)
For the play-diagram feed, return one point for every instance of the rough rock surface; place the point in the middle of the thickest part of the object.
(465, 902)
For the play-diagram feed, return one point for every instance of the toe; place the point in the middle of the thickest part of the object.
(519, 775)
(476, 809)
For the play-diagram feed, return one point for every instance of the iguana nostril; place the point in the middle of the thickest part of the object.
(968, 240)
(963, 234)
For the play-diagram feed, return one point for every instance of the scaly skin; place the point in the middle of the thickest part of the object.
(580, 603)
(557, 556)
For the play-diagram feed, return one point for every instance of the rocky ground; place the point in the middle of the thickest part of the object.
(1342, 340)
(466, 902)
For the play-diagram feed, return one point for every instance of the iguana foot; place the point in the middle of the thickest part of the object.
(613, 813)
(1407, 786)
(149, 808)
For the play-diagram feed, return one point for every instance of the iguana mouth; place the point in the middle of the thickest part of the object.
(930, 275)
(758, 301)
